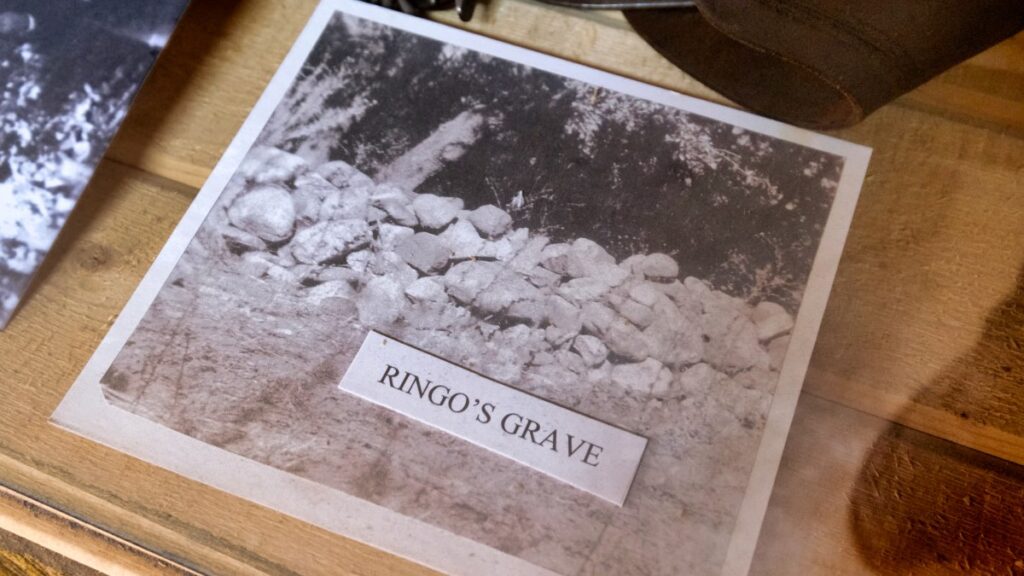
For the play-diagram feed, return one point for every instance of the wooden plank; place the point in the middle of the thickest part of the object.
(124, 218)
(858, 495)
(38, 540)
(987, 90)
(202, 87)
(929, 282)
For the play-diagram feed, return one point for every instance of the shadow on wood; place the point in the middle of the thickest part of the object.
(922, 505)
(200, 29)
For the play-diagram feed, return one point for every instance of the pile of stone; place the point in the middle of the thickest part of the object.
(470, 286)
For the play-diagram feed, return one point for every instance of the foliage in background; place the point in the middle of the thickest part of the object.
(739, 209)
(66, 86)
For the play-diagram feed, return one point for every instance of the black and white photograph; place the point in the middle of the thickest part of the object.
(633, 261)
(69, 71)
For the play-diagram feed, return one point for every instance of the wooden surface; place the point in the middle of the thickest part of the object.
(36, 540)
(907, 447)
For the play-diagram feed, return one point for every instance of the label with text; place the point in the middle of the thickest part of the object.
(574, 448)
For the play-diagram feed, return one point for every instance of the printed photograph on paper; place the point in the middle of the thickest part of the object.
(630, 261)
(68, 72)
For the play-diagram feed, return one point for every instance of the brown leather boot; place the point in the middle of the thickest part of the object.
(818, 63)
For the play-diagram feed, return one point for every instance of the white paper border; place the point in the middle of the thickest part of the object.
(85, 411)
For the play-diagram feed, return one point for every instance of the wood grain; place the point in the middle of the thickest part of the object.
(936, 245)
(857, 494)
(36, 539)
(924, 325)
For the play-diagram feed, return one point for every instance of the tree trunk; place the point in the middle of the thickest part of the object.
(446, 143)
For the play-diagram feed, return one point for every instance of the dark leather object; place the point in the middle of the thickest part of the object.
(823, 63)
(622, 4)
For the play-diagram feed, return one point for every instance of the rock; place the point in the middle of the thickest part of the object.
(600, 376)
(501, 364)
(523, 338)
(359, 261)
(663, 384)
(342, 175)
(585, 257)
(542, 277)
(307, 207)
(591, 349)
(771, 320)
(254, 264)
(777, 349)
(394, 266)
(380, 302)
(345, 204)
(332, 273)
(266, 165)
(374, 214)
(466, 280)
(684, 298)
(463, 240)
(421, 316)
(333, 289)
(542, 359)
(427, 289)
(437, 315)
(666, 309)
(391, 235)
(310, 191)
(555, 257)
(597, 318)
(507, 289)
(639, 377)
(581, 290)
(529, 257)
(284, 257)
(624, 340)
(659, 266)
(425, 252)
(634, 264)
(695, 382)
(315, 183)
(557, 336)
(571, 361)
(675, 341)
(757, 379)
(487, 329)
(732, 344)
(329, 240)
(399, 212)
(609, 274)
(490, 220)
(240, 241)
(696, 286)
(505, 249)
(282, 275)
(747, 406)
(266, 211)
(436, 212)
(635, 312)
(396, 203)
(532, 312)
(564, 315)
(646, 293)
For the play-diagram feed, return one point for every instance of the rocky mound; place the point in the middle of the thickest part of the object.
(469, 286)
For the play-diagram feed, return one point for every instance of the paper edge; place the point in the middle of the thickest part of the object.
(85, 411)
